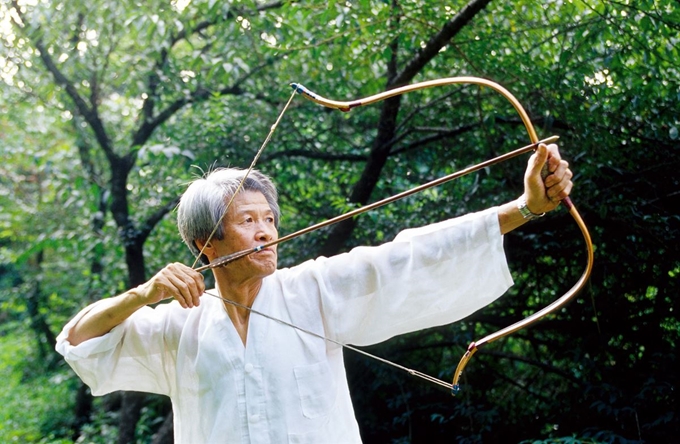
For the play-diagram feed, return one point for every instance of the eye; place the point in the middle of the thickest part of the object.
(270, 219)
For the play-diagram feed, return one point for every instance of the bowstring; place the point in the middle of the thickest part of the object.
(410, 371)
(245, 176)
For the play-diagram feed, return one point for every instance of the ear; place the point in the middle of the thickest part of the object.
(208, 251)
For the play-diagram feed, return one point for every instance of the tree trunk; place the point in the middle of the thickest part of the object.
(134, 258)
(130, 411)
(82, 411)
(164, 435)
(369, 178)
(44, 336)
(133, 402)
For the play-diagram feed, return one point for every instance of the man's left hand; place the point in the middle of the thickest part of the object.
(545, 194)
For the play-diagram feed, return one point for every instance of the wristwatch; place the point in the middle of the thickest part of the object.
(524, 210)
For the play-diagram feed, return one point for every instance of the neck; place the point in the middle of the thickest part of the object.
(243, 293)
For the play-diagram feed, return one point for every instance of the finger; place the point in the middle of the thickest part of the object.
(197, 286)
(560, 190)
(187, 284)
(181, 291)
(565, 192)
(561, 172)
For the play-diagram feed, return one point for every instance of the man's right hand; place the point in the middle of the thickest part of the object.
(174, 281)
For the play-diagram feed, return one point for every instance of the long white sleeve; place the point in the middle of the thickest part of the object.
(426, 277)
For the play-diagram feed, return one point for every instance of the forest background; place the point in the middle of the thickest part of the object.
(109, 108)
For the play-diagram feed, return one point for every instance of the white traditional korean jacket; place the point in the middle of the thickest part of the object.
(285, 385)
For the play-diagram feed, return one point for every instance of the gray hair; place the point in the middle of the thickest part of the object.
(205, 201)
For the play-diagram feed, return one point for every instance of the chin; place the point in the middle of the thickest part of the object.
(271, 268)
(267, 267)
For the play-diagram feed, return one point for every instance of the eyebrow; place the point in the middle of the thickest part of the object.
(249, 209)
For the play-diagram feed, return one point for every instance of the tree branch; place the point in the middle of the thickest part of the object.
(150, 123)
(150, 222)
(89, 114)
(438, 41)
(309, 154)
(441, 134)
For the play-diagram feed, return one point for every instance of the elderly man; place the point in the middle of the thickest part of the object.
(240, 378)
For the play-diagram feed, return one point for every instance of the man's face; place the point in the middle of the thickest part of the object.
(249, 222)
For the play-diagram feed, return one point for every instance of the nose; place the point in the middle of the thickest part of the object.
(265, 232)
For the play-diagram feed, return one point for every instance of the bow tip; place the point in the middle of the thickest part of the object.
(298, 88)
(455, 389)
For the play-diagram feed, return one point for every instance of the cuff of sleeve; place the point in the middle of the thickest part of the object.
(89, 347)
(493, 232)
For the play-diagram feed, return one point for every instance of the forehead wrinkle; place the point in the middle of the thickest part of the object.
(237, 209)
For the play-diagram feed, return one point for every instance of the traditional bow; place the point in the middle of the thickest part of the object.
(347, 106)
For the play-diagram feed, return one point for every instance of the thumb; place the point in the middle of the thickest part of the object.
(537, 162)
(534, 188)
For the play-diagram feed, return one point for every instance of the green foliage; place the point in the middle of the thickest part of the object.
(35, 404)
